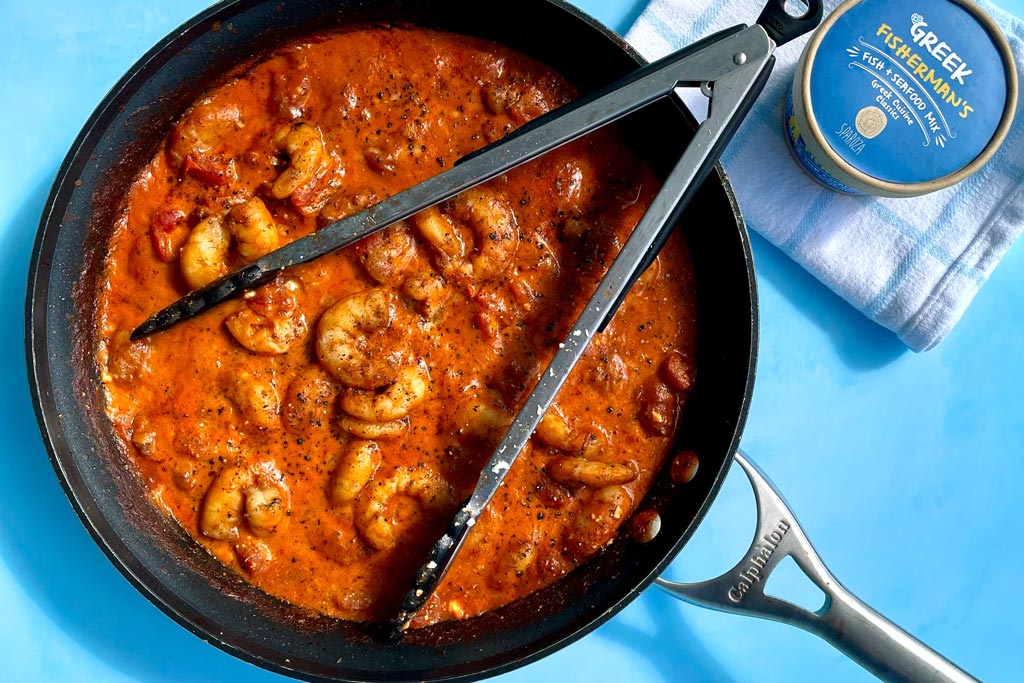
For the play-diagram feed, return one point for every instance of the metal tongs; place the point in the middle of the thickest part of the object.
(730, 67)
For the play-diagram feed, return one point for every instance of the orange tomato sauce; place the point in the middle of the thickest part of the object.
(317, 434)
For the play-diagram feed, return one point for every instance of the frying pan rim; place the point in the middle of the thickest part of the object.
(41, 271)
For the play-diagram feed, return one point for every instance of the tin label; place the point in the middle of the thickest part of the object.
(908, 91)
(804, 156)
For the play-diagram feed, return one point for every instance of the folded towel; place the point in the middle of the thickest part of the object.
(912, 265)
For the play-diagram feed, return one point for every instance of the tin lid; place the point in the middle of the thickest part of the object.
(911, 92)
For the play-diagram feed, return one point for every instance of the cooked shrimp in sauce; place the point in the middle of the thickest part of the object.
(316, 434)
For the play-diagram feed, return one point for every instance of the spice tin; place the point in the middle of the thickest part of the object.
(899, 98)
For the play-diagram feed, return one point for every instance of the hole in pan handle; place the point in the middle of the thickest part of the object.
(782, 27)
(844, 621)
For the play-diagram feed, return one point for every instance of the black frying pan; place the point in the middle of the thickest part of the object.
(157, 555)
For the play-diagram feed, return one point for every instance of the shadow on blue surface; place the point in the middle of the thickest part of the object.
(859, 342)
(46, 547)
(672, 650)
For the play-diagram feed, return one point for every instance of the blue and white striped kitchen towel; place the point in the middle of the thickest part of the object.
(912, 265)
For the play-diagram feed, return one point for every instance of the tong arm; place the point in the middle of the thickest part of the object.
(735, 89)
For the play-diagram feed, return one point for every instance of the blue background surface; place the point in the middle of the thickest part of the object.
(904, 469)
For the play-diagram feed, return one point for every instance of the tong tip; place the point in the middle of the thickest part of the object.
(431, 573)
(198, 301)
(398, 626)
(158, 322)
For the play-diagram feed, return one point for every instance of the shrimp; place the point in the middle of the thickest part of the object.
(197, 143)
(497, 98)
(367, 429)
(309, 400)
(480, 418)
(344, 204)
(304, 144)
(255, 557)
(256, 494)
(356, 467)
(553, 430)
(492, 223)
(256, 397)
(497, 234)
(358, 341)
(253, 229)
(576, 471)
(148, 436)
(582, 469)
(438, 230)
(390, 255)
(290, 89)
(204, 254)
(393, 403)
(374, 516)
(269, 321)
(610, 374)
(521, 102)
(514, 560)
(598, 519)
(429, 290)
(381, 161)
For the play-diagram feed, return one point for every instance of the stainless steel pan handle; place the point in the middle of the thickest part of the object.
(850, 625)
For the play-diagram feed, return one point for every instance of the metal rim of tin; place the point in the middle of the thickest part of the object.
(860, 180)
